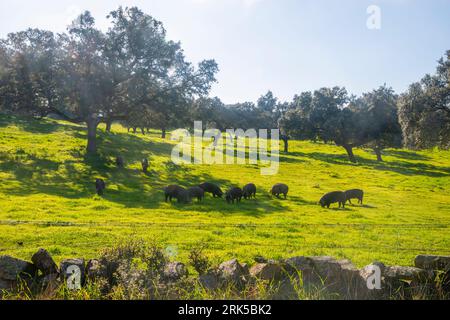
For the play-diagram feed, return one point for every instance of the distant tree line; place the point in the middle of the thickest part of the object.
(132, 74)
(331, 115)
(380, 119)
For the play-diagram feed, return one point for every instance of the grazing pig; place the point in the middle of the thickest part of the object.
(249, 191)
(333, 197)
(196, 192)
(176, 192)
(100, 186)
(145, 165)
(280, 188)
(183, 197)
(212, 188)
(234, 194)
(354, 194)
(120, 162)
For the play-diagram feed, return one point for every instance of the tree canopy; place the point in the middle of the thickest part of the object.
(424, 110)
(133, 74)
(89, 76)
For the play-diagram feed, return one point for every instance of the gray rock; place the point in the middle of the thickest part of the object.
(233, 272)
(408, 273)
(299, 263)
(397, 282)
(286, 289)
(246, 269)
(96, 270)
(420, 282)
(363, 291)
(174, 271)
(339, 277)
(50, 282)
(11, 268)
(267, 271)
(398, 290)
(7, 285)
(210, 280)
(44, 262)
(65, 269)
(432, 262)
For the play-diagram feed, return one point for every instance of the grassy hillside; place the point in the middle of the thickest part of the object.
(47, 199)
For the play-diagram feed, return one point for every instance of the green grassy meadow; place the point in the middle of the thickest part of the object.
(47, 199)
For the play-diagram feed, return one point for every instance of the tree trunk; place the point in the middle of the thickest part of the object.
(134, 130)
(92, 125)
(378, 153)
(143, 131)
(286, 145)
(163, 133)
(349, 150)
(108, 125)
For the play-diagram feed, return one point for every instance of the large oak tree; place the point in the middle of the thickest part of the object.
(89, 76)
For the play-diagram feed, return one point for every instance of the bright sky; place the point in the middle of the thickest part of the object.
(287, 46)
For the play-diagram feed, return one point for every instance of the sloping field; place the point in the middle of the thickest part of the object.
(47, 199)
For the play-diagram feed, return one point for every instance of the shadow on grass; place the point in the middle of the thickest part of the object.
(368, 206)
(36, 125)
(74, 179)
(35, 175)
(132, 148)
(346, 209)
(128, 187)
(397, 166)
(300, 200)
(405, 154)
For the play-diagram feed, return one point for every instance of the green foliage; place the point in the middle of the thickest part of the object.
(424, 110)
(198, 259)
(89, 76)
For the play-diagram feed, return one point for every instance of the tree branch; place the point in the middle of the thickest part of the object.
(63, 115)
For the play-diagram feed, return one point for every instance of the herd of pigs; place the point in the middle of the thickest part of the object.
(235, 194)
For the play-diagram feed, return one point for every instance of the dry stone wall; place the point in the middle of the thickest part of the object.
(340, 279)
